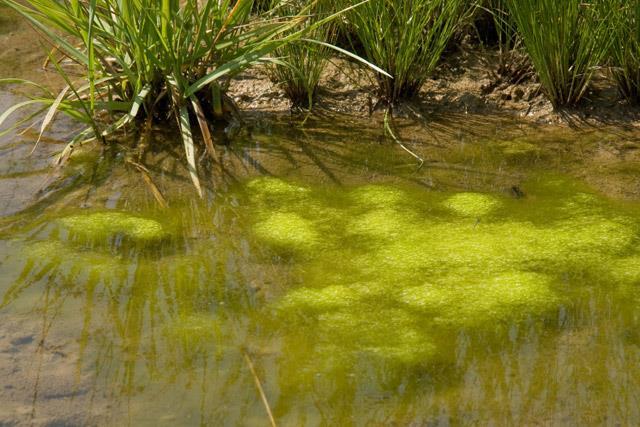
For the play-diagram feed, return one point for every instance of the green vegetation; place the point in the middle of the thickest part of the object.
(406, 39)
(105, 226)
(566, 41)
(623, 19)
(472, 204)
(152, 60)
(386, 271)
(513, 63)
(304, 62)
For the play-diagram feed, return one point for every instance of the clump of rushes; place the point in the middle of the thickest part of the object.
(151, 60)
(304, 62)
(624, 21)
(513, 64)
(406, 38)
(566, 40)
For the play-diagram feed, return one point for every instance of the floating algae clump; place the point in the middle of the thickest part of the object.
(62, 259)
(288, 232)
(319, 300)
(273, 193)
(472, 301)
(394, 336)
(378, 196)
(383, 223)
(626, 271)
(103, 226)
(401, 275)
(471, 204)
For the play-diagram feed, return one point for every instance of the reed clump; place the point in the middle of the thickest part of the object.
(153, 60)
(298, 66)
(406, 39)
(623, 17)
(566, 41)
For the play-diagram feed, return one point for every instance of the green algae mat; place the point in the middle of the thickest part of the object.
(361, 304)
(497, 285)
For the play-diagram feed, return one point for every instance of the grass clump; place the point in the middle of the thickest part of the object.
(565, 40)
(512, 65)
(623, 17)
(304, 62)
(152, 61)
(406, 39)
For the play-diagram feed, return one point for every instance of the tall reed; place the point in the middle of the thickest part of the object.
(565, 40)
(623, 18)
(152, 60)
(299, 65)
(406, 38)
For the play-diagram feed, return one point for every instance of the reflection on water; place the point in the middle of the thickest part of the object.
(363, 290)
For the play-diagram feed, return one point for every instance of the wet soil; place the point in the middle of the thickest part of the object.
(466, 82)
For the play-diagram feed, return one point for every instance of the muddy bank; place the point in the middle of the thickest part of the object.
(466, 82)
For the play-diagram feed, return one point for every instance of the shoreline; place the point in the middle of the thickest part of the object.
(464, 83)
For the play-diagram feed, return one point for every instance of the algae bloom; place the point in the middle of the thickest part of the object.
(472, 301)
(288, 231)
(394, 269)
(104, 226)
(471, 204)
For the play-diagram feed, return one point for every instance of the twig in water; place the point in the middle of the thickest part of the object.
(263, 396)
(389, 130)
(146, 176)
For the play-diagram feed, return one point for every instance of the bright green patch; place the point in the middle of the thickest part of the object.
(288, 232)
(388, 275)
(391, 334)
(472, 204)
(104, 226)
(469, 300)
(378, 196)
(626, 271)
(264, 188)
(59, 257)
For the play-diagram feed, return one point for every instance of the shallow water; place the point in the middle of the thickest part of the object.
(362, 290)
(499, 284)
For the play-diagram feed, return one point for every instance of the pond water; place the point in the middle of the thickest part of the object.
(498, 284)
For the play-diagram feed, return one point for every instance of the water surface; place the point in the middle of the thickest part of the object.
(497, 284)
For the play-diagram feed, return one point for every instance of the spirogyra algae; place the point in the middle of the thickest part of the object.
(420, 265)
(105, 226)
(463, 301)
(288, 232)
(471, 204)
